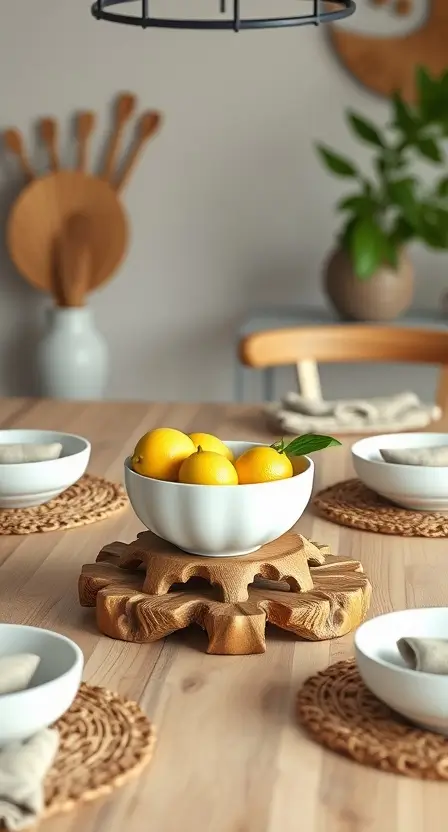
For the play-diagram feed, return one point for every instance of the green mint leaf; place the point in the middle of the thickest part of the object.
(308, 443)
(337, 164)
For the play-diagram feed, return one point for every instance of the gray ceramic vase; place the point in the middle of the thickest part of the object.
(382, 297)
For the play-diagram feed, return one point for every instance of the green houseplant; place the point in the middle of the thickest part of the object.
(391, 205)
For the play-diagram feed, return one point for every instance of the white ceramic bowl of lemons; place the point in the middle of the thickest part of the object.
(222, 521)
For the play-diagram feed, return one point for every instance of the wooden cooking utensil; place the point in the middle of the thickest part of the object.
(148, 125)
(126, 105)
(48, 130)
(73, 260)
(13, 140)
(85, 125)
(38, 217)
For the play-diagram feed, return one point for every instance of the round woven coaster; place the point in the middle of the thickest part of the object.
(340, 712)
(87, 501)
(350, 503)
(104, 740)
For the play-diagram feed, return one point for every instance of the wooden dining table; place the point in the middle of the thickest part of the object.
(230, 755)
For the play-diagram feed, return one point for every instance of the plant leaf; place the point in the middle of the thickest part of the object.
(337, 164)
(365, 130)
(402, 231)
(428, 93)
(361, 205)
(404, 118)
(433, 226)
(346, 234)
(391, 251)
(430, 149)
(308, 443)
(366, 247)
(402, 194)
(442, 187)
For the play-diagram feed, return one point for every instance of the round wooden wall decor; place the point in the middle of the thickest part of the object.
(385, 40)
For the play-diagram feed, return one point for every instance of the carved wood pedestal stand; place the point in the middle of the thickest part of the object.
(145, 590)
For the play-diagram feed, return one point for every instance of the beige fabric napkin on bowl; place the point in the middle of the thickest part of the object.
(296, 414)
(436, 457)
(29, 452)
(429, 655)
(23, 765)
(17, 671)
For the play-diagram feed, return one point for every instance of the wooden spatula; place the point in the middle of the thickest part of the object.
(48, 129)
(148, 125)
(85, 125)
(126, 105)
(73, 260)
(14, 143)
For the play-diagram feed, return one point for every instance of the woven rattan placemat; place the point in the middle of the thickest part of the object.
(342, 714)
(104, 740)
(87, 501)
(350, 503)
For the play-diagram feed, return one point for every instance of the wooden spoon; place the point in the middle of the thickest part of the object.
(148, 125)
(126, 105)
(48, 129)
(73, 260)
(14, 143)
(85, 125)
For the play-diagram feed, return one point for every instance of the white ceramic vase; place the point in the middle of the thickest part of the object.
(72, 356)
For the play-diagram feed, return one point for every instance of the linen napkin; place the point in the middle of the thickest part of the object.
(429, 655)
(17, 671)
(23, 765)
(436, 457)
(404, 411)
(29, 452)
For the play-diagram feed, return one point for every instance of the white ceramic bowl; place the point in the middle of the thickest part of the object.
(52, 688)
(32, 483)
(413, 486)
(421, 697)
(219, 521)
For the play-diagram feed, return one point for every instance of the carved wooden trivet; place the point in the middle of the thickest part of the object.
(336, 604)
(285, 559)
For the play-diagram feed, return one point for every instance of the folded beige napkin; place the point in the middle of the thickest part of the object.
(29, 452)
(429, 655)
(436, 457)
(23, 765)
(17, 671)
(404, 411)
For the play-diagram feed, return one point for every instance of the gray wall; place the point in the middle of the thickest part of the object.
(229, 208)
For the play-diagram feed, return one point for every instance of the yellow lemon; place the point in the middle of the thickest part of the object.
(208, 468)
(262, 465)
(161, 452)
(208, 442)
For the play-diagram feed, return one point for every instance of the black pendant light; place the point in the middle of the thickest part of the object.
(231, 15)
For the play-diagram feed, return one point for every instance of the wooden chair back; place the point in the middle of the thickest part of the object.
(305, 346)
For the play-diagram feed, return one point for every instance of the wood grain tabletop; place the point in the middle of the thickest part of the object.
(230, 756)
